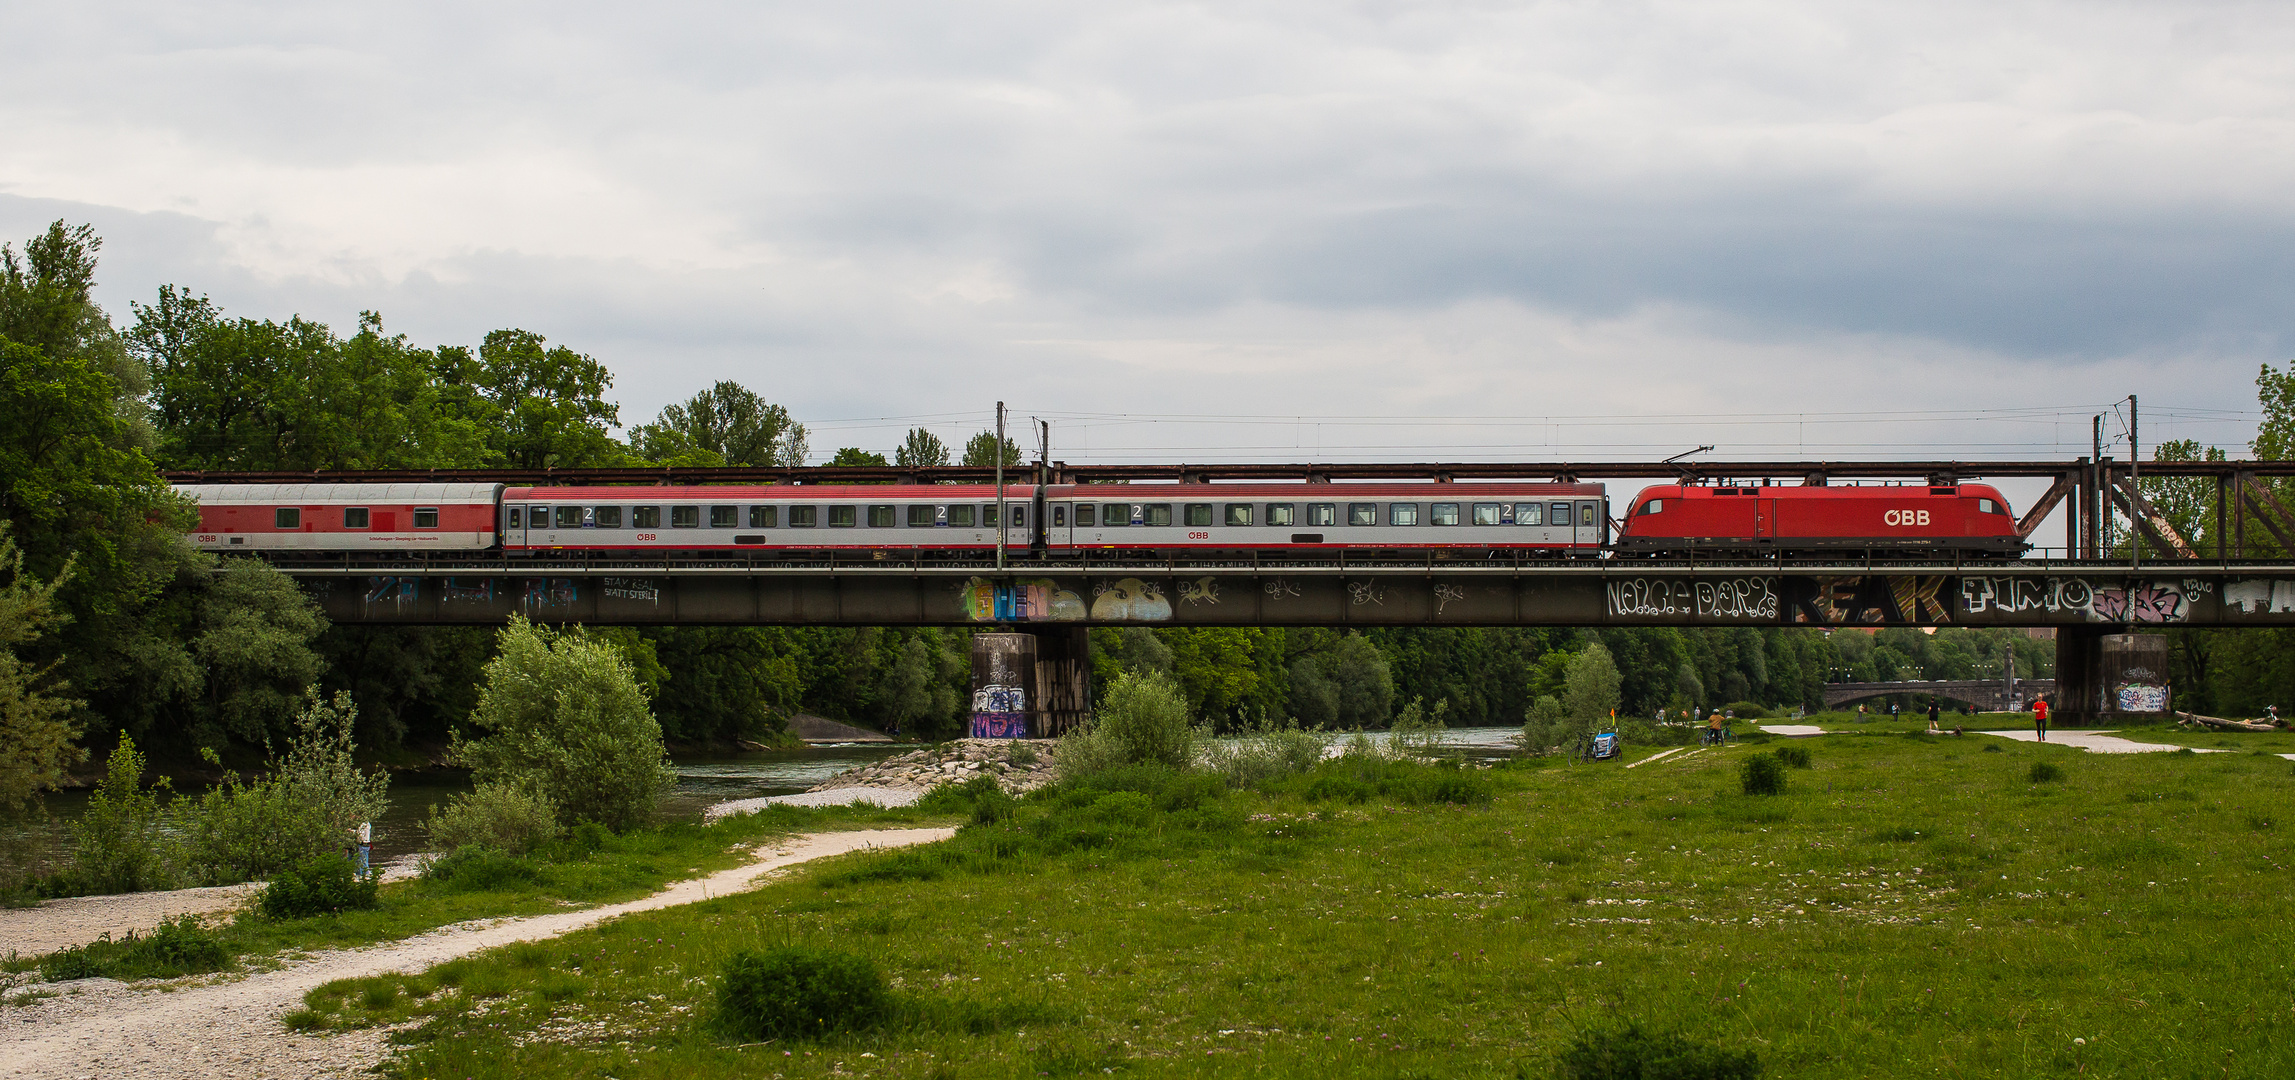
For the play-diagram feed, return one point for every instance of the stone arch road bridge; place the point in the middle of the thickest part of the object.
(1985, 694)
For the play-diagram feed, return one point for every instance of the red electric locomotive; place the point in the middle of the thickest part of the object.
(1677, 519)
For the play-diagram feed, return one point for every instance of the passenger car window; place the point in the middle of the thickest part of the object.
(1239, 513)
(1442, 514)
(880, 517)
(1561, 516)
(1486, 513)
(1322, 513)
(724, 517)
(1085, 514)
(684, 517)
(920, 516)
(569, 517)
(1198, 515)
(354, 517)
(1157, 513)
(1115, 514)
(960, 516)
(1529, 514)
(1402, 513)
(764, 517)
(643, 517)
(425, 517)
(1362, 513)
(842, 517)
(1280, 514)
(607, 517)
(804, 517)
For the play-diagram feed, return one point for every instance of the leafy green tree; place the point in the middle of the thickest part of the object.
(76, 487)
(855, 456)
(563, 714)
(1347, 685)
(727, 424)
(36, 728)
(725, 682)
(1591, 693)
(549, 402)
(1228, 673)
(254, 640)
(921, 450)
(980, 451)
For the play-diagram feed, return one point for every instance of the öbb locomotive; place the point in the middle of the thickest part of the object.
(1458, 520)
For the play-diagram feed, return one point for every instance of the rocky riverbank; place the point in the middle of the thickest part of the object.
(1019, 766)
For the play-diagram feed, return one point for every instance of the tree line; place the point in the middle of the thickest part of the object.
(110, 622)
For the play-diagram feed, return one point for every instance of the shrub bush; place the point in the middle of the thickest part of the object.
(117, 844)
(2045, 773)
(797, 992)
(320, 885)
(504, 817)
(1633, 1054)
(480, 869)
(564, 715)
(1762, 774)
(1746, 710)
(1147, 715)
(177, 947)
(311, 803)
(1796, 756)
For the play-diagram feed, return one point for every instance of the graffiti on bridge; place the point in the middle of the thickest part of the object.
(396, 591)
(1747, 598)
(2157, 601)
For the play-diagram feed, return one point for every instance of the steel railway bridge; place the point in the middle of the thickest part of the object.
(2102, 588)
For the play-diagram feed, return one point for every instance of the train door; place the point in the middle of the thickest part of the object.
(538, 532)
(1059, 524)
(1588, 530)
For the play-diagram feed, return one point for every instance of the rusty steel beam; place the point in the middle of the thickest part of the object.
(2064, 485)
(2149, 522)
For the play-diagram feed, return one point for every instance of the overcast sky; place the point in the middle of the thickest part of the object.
(1234, 230)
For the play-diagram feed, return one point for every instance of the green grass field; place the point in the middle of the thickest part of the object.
(1909, 907)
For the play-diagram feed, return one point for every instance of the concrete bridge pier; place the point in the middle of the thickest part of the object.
(1035, 684)
(2107, 678)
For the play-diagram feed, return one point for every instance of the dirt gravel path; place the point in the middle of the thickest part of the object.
(228, 1026)
(61, 924)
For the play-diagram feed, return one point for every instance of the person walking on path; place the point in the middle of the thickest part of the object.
(2040, 718)
(1933, 712)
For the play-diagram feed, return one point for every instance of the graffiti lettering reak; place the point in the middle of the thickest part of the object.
(1729, 598)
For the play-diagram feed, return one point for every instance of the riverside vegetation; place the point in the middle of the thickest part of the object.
(1902, 905)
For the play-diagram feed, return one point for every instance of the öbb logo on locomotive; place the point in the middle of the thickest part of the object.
(1458, 520)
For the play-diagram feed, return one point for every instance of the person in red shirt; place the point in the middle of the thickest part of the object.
(2040, 717)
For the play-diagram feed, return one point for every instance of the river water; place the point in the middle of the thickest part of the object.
(702, 780)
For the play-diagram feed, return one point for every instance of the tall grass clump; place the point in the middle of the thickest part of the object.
(1762, 774)
(176, 947)
(2043, 772)
(1634, 1054)
(1795, 756)
(1144, 719)
(1417, 732)
(799, 993)
(1263, 751)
